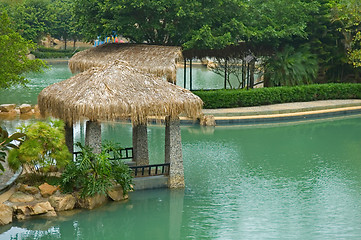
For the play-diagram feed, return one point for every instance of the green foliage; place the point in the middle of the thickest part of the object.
(211, 24)
(44, 148)
(33, 19)
(348, 14)
(45, 53)
(34, 179)
(7, 143)
(13, 51)
(291, 67)
(95, 173)
(274, 95)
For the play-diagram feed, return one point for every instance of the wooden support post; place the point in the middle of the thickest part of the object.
(190, 75)
(225, 73)
(185, 73)
(69, 137)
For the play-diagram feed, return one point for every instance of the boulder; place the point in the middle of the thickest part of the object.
(63, 202)
(36, 109)
(207, 120)
(47, 190)
(25, 108)
(116, 193)
(91, 202)
(6, 214)
(40, 208)
(22, 211)
(21, 197)
(7, 107)
(28, 189)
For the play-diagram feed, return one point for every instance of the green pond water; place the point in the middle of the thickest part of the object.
(58, 71)
(279, 181)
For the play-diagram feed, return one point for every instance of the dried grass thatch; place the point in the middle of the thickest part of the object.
(116, 91)
(158, 60)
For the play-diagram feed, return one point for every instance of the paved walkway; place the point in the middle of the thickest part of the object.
(285, 111)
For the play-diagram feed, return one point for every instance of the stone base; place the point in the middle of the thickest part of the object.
(176, 182)
(91, 202)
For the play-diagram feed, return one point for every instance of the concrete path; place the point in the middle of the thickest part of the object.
(283, 108)
(285, 112)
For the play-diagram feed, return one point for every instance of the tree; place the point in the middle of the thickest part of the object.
(33, 19)
(291, 67)
(13, 51)
(348, 14)
(63, 20)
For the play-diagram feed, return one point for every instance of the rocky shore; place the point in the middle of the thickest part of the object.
(46, 200)
(24, 111)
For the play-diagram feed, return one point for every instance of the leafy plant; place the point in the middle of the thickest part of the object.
(95, 173)
(291, 67)
(44, 148)
(7, 143)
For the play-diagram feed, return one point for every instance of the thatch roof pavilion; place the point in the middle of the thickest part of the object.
(158, 60)
(119, 91)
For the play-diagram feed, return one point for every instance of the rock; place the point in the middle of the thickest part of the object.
(35, 208)
(207, 120)
(25, 108)
(51, 214)
(7, 107)
(28, 189)
(62, 203)
(21, 197)
(36, 109)
(30, 56)
(47, 190)
(21, 211)
(40, 208)
(91, 202)
(116, 193)
(6, 214)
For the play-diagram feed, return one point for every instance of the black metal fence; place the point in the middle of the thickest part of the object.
(120, 154)
(151, 170)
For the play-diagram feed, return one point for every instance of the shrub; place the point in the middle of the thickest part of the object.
(264, 96)
(44, 148)
(92, 173)
(7, 143)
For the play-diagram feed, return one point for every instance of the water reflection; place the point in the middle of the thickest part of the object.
(297, 181)
(148, 215)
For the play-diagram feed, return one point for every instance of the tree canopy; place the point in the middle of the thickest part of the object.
(13, 51)
(195, 23)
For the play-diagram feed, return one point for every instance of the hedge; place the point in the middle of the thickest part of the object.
(264, 96)
(44, 53)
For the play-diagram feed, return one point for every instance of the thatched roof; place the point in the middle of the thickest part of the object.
(116, 91)
(158, 60)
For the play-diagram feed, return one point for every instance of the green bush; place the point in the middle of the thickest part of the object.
(45, 53)
(43, 150)
(7, 143)
(92, 173)
(264, 96)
